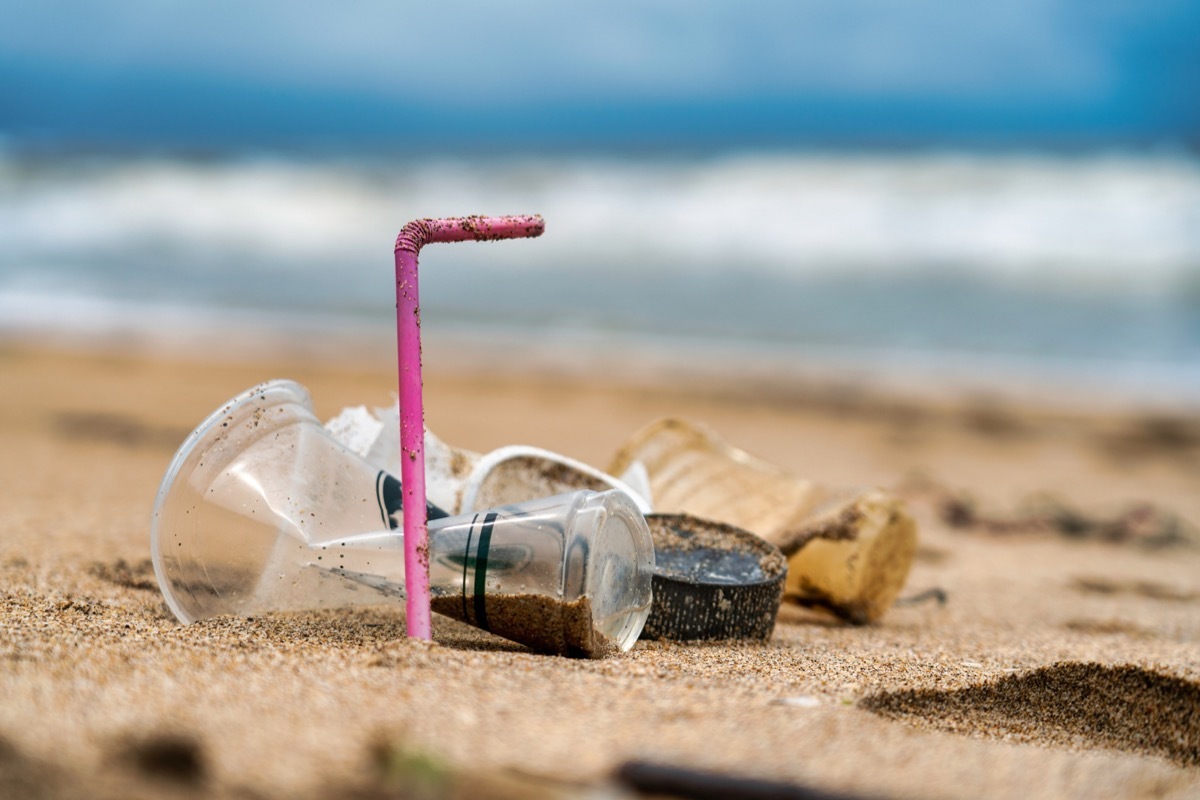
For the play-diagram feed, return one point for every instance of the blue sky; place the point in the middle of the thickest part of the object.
(622, 73)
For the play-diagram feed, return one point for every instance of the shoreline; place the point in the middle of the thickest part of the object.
(746, 369)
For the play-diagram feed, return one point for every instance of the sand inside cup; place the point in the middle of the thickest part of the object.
(542, 623)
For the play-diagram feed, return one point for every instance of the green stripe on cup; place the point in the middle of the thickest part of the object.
(481, 559)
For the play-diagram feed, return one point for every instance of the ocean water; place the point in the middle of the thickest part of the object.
(1082, 267)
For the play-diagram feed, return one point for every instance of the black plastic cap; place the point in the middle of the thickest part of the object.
(712, 581)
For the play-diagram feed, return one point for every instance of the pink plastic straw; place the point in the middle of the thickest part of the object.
(412, 238)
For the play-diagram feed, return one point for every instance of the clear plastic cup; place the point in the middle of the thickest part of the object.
(566, 574)
(261, 510)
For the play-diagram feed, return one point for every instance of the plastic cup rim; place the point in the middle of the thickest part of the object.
(196, 437)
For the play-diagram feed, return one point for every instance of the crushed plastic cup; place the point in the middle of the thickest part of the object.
(849, 550)
(261, 510)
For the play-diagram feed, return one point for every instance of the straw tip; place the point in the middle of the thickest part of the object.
(535, 225)
(516, 226)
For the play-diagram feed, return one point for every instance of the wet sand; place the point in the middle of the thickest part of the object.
(1063, 662)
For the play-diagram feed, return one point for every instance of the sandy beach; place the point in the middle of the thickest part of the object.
(1062, 660)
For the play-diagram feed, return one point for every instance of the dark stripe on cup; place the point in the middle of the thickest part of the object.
(391, 501)
(383, 495)
(481, 558)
